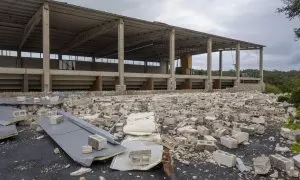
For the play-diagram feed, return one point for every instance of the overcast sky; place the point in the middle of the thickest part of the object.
(250, 20)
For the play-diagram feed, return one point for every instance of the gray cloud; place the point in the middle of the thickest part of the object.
(250, 20)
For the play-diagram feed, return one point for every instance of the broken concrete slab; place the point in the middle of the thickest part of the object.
(262, 165)
(63, 132)
(7, 117)
(8, 131)
(122, 162)
(140, 124)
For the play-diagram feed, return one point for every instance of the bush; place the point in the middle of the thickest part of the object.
(272, 89)
(295, 97)
(283, 99)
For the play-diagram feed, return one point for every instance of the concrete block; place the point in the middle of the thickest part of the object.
(36, 100)
(248, 129)
(57, 119)
(285, 132)
(220, 132)
(209, 138)
(297, 160)
(34, 125)
(180, 140)
(97, 142)
(224, 158)
(229, 142)
(241, 137)
(119, 127)
(281, 163)
(21, 98)
(205, 145)
(140, 157)
(259, 120)
(262, 165)
(19, 113)
(54, 99)
(202, 130)
(87, 149)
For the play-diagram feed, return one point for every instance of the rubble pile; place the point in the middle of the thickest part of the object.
(195, 121)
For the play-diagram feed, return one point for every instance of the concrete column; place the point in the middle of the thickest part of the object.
(208, 84)
(163, 67)
(146, 66)
(186, 63)
(121, 86)
(19, 59)
(188, 84)
(172, 81)
(150, 84)
(220, 69)
(25, 83)
(238, 60)
(261, 68)
(46, 49)
(97, 86)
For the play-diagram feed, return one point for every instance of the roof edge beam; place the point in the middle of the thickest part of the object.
(136, 40)
(90, 34)
(30, 26)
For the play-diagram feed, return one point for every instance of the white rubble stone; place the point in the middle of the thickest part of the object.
(275, 174)
(281, 163)
(285, 132)
(220, 132)
(224, 158)
(209, 138)
(259, 120)
(36, 100)
(81, 171)
(202, 130)
(229, 142)
(281, 149)
(240, 165)
(261, 165)
(21, 98)
(57, 119)
(248, 129)
(241, 137)
(97, 142)
(187, 131)
(56, 151)
(297, 160)
(87, 149)
(180, 140)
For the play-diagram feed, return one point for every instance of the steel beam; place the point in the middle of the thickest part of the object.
(30, 26)
(89, 35)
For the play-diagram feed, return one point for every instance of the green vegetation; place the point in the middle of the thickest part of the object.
(295, 148)
(269, 88)
(291, 9)
(290, 124)
(284, 98)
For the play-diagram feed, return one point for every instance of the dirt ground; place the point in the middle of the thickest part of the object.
(25, 157)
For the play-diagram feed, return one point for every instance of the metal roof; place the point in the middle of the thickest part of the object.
(68, 23)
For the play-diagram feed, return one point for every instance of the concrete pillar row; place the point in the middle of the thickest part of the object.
(238, 64)
(121, 86)
(172, 80)
(208, 82)
(46, 49)
(261, 68)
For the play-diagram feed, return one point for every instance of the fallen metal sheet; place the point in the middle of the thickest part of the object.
(6, 116)
(71, 137)
(8, 131)
(122, 162)
(28, 101)
(89, 127)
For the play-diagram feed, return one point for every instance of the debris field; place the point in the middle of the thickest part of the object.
(208, 135)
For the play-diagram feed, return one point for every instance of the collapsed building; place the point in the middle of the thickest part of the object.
(52, 46)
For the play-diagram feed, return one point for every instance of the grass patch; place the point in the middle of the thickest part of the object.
(291, 125)
(295, 148)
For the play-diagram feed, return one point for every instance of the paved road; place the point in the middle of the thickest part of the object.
(25, 157)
